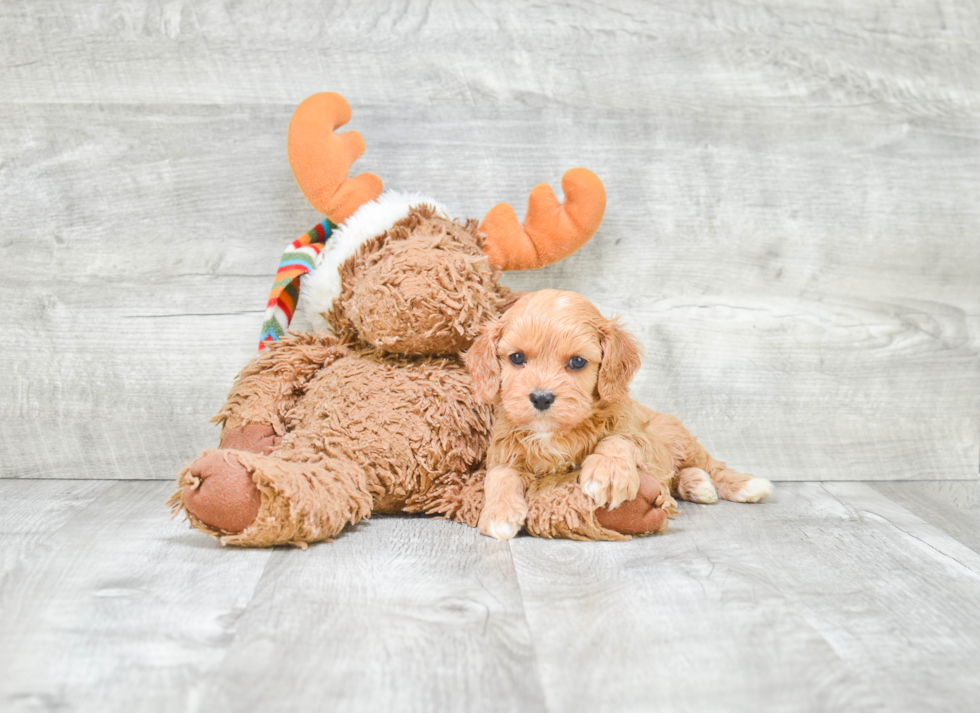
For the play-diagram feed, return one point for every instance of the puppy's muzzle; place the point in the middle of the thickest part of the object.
(542, 400)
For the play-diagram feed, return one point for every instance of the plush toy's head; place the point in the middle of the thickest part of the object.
(398, 273)
(422, 287)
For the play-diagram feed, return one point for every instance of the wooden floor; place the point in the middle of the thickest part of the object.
(830, 597)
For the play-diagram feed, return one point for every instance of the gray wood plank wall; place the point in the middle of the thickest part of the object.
(793, 226)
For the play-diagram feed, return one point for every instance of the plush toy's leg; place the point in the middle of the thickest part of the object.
(647, 513)
(270, 384)
(246, 497)
(557, 507)
(458, 496)
(259, 500)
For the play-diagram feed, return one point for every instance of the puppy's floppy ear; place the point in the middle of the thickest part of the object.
(620, 361)
(482, 361)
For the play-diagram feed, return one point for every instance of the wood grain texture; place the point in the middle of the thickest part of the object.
(32, 513)
(828, 597)
(790, 229)
(398, 615)
(121, 610)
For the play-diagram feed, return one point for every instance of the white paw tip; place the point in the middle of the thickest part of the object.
(593, 490)
(503, 530)
(755, 491)
(704, 493)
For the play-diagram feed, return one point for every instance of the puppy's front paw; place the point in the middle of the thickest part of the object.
(502, 520)
(609, 480)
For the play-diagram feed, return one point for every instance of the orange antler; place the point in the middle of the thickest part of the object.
(321, 159)
(552, 230)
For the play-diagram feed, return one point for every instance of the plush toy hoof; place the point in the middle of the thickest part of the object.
(638, 516)
(223, 496)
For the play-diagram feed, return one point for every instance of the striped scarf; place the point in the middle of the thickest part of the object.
(297, 261)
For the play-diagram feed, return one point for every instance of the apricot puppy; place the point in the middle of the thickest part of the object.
(558, 373)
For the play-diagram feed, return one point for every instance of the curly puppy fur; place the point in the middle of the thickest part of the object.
(558, 373)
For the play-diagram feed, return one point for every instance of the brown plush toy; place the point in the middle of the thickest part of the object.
(375, 411)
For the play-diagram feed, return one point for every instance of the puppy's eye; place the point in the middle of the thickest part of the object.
(517, 359)
(576, 363)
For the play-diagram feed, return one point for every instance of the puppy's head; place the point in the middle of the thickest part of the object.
(550, 359)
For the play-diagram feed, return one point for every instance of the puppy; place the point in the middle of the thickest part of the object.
(558, 373)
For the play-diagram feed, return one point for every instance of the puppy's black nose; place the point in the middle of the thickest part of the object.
(542, 400)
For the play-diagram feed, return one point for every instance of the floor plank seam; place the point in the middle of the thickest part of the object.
(920, 542)
(548, 705)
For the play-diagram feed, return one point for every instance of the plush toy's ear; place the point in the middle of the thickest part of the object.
(321, 159)
(552, 231)
(620, 361)
(483, 363)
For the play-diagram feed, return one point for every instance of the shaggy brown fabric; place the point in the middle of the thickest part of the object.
(371, 432)
(276, 379)
(458, 496)
(254, 438)
(423, 287)
(299, 502)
